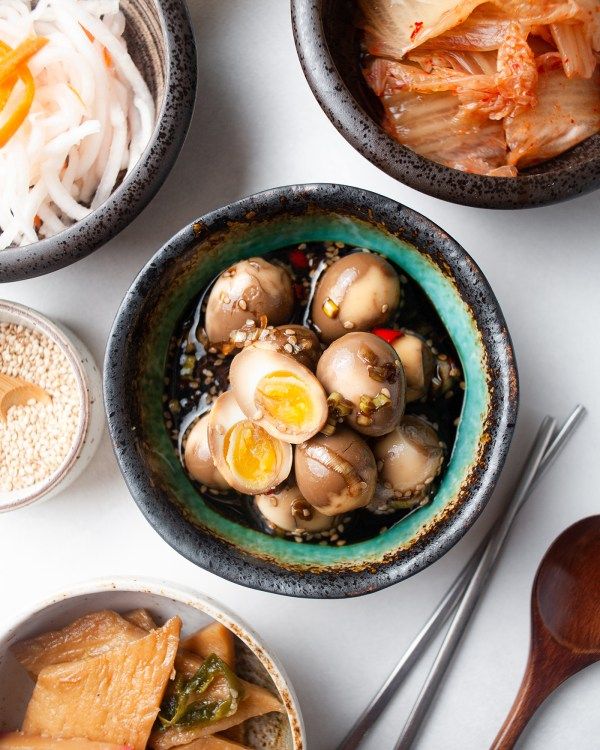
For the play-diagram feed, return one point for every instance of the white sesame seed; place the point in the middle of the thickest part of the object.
(36, 438)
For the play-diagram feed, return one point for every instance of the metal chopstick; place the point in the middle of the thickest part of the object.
(447, 605)
(474, 588)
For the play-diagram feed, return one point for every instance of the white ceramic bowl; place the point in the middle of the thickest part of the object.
(91, 423)
(164, 600)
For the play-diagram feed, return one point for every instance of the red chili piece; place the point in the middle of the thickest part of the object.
(387, 334)
(298, 259)
(418, 27)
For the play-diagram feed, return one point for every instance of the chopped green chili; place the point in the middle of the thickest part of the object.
(188, 705)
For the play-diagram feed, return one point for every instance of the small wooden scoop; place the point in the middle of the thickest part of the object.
(565, 635)
(17, 392)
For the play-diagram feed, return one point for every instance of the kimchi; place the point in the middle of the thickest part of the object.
(485, 87)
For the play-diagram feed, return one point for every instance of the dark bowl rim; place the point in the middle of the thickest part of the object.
(217, 556)
(350, 119)
(145, 179)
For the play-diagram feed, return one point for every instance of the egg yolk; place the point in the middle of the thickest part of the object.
(285, 398)
(250, 452)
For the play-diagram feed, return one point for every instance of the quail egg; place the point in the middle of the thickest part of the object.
(356, 293)
(249, 290)
(278, 393)
(250, 460)
(287, 510)
(336, 473)
(197, 458)
(409, 459)
(418, 363)
(366, 374)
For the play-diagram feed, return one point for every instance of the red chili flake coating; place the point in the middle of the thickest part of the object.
(388, 334)
(418, 27)
(298, 259)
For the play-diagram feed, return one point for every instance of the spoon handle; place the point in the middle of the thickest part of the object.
(548, 666)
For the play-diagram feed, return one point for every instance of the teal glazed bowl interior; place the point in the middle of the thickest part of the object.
(134, 380)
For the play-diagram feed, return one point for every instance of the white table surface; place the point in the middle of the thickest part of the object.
(256, 126)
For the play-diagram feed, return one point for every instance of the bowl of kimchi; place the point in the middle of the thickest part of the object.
(487, 104)
(138, 664)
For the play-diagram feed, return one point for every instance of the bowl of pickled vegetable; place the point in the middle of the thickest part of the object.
(311, 391)
(490, 104)
(133, 664)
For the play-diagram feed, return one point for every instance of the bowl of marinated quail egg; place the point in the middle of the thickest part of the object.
(311, 391)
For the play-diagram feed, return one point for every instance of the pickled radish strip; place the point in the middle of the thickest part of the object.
(567, 112)
(74, 123)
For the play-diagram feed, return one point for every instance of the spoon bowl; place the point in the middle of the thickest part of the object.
(570, 574)
(565, 623)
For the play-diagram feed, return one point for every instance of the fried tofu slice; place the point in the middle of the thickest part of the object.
(20, 741)
(213, 639)
(90, 635)
(114, 697)
(256, 702)
(141, 618)
(214, 743)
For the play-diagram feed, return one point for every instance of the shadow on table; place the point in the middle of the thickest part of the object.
(213, 161)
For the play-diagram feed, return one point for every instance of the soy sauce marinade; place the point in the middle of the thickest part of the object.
(197, 374)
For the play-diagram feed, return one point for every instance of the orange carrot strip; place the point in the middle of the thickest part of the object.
(107, 55)
(6, 90)
(21, 110)
(13, 60)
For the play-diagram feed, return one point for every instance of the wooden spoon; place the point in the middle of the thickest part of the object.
(565, 616)
(17, 392)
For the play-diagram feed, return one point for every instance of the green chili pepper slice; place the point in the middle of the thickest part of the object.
(187, 706)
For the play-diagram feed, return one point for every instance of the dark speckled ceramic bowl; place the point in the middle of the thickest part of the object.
(161, 41)
(328, 45)
(135, 367)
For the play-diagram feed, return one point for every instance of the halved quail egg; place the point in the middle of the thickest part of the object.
(198, 460)
(408, 459)
(336, 473)
(249, 290)
(250, 460)
(287, 510)
(356, 293)
(278, 393)
(366, 373)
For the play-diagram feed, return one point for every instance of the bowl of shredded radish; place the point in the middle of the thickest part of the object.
(487, 103)
(96, 97)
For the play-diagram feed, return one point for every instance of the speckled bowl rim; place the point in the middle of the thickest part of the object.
(215, 554)
(195, 599)
(38, 322)
(145, 179)
(405, 165)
